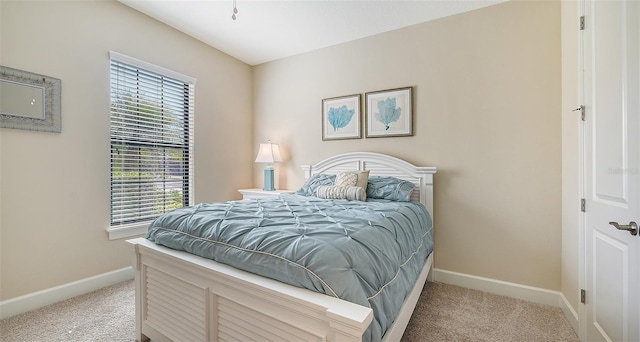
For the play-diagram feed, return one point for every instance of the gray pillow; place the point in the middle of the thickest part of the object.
(315, 181)
(389, 188)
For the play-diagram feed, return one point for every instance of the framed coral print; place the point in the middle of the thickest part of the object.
(389, 113)
(341, 118)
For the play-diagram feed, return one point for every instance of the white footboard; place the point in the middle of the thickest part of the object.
(183, 297)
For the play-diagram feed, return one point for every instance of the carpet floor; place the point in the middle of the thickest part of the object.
(444, 313)
(451, 313)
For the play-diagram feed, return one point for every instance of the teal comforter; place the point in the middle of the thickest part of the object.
(369, 253)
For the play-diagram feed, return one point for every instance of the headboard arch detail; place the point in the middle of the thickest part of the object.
(380, 165)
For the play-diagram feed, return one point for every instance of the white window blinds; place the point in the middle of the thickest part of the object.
(151, 142)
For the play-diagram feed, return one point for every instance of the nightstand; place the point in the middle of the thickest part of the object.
(256, 193)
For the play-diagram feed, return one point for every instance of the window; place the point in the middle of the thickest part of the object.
(151, 140)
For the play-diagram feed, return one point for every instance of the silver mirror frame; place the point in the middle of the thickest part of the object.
(52, 121)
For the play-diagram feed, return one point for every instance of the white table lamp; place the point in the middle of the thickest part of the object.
(268, 153)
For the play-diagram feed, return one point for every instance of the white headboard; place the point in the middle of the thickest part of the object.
(380, 165)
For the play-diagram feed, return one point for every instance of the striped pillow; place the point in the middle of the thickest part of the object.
(350, 193)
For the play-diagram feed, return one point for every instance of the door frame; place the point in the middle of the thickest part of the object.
(582, 236)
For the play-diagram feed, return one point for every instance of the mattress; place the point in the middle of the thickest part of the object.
(369, 253)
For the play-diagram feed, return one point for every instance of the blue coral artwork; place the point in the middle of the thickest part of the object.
(341, 118)
(389, 113)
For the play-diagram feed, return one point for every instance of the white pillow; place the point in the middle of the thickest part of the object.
(346, 179)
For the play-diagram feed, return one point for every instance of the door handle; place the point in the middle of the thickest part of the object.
(632, 227)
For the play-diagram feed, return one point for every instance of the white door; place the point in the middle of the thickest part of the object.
(611, 41)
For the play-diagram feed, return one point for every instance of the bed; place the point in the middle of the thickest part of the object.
(181, 296)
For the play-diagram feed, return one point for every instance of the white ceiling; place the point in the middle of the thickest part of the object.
(270, 30)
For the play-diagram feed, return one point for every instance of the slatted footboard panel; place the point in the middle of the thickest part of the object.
(175, 308)
(239, 323)
(178, 310)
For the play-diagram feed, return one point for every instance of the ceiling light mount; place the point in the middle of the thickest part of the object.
(235, 10)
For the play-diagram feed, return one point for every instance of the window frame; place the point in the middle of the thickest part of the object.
(123, 230)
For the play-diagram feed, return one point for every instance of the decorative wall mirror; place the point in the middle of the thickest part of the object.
(29, 101)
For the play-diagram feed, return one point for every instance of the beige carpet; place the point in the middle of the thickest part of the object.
(451, 313)
(444, 313)
(105, 315)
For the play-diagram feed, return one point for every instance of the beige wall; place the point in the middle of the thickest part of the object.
(55, 187)
(571, 125)
(487, 102)
(487, 114)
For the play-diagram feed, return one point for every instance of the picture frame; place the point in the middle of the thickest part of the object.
(30, 101)
(389, 113)
(341, 118)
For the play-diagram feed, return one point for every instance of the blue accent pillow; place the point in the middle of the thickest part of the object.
(315, 181)
(389, 188)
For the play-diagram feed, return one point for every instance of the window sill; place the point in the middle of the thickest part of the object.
(125, 231)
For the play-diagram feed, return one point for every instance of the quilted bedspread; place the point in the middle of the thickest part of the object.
(369, 253)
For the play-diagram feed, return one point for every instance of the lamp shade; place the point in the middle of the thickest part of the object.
(268, 153)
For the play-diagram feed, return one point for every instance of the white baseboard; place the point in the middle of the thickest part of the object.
(499, 287)
(31, 301)
(513, 290)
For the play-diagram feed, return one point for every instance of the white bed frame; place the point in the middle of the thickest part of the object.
(183, 297)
